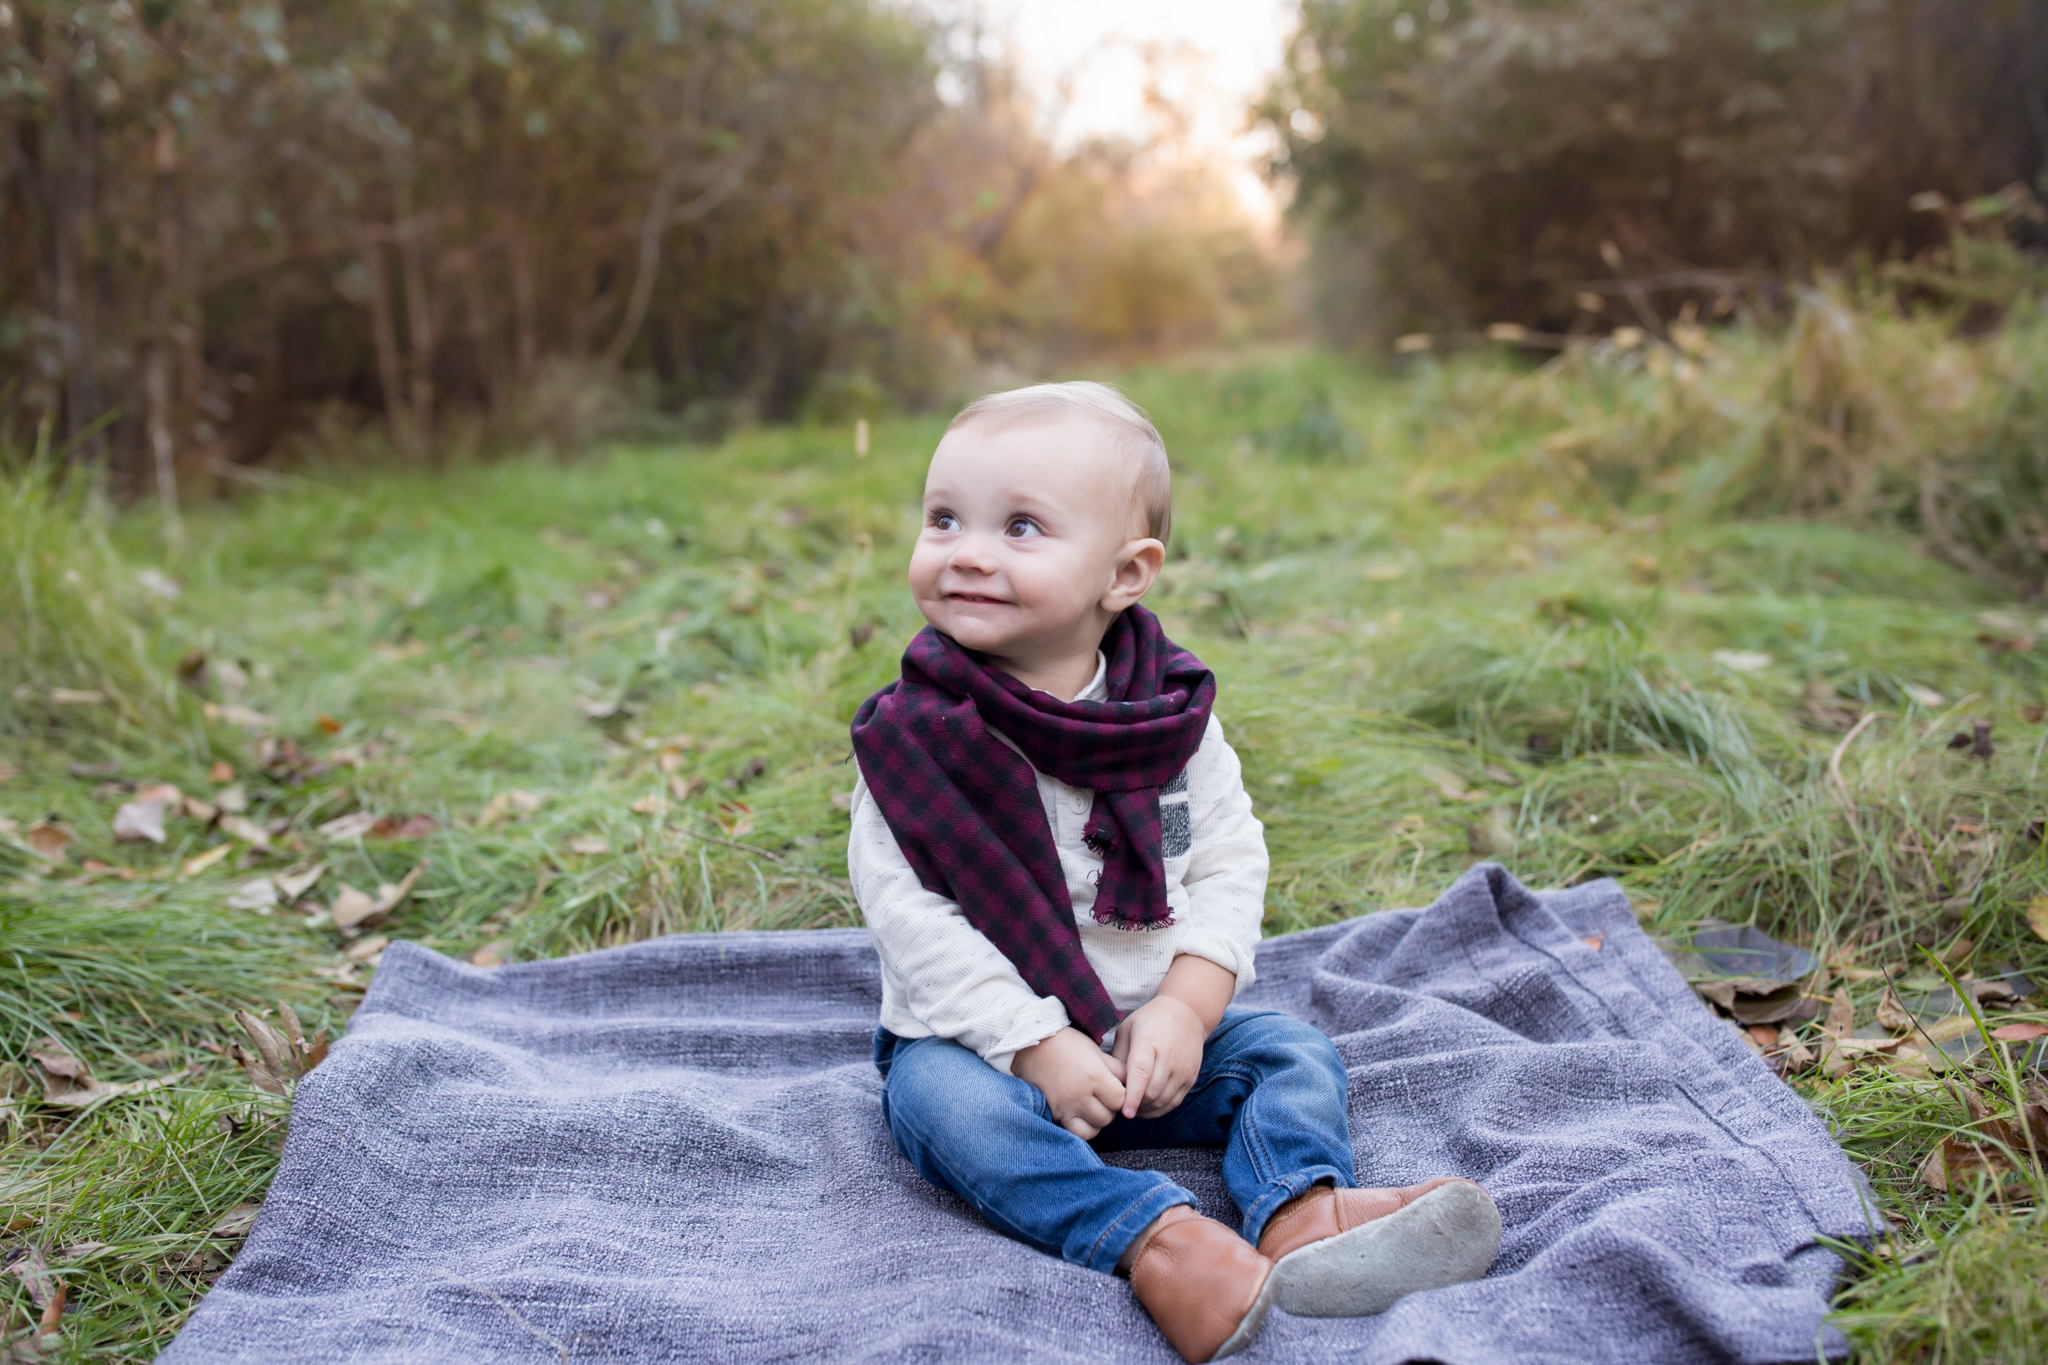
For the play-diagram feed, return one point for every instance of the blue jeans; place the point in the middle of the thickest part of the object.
(1271, 1093)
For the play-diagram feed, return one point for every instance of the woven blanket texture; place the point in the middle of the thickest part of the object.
(674, 1151)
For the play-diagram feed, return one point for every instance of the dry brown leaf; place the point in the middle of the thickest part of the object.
(236, 1222)
(736, 818)
(1798, 1056)
(352, 907)
(232, 799)
(506, 805)
(1448, 783)
(1763, 1036)
(34, 1273)
(682, 789)
(1841, 1020)
(49, 840)
(258, 894)
(139, 821)
(296, 882)
(199, 862)
(205, 812)
(412, 827)
(656, 806)
(343, 828)
(1891, 1014)
(2037, 916)
(492, 954)
(367, 950)
(2018, 1033)
(589, 845)
(221, 771)
(245, 829)
(68, 1085)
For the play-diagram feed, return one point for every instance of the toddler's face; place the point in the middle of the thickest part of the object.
(1028, 540)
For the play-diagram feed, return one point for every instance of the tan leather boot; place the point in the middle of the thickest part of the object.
(1204, 1285)
(1348, 1253)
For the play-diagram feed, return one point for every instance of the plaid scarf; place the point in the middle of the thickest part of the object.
(964, 806)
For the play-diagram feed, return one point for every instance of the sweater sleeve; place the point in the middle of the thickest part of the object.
(944, 970)
(1226, 872)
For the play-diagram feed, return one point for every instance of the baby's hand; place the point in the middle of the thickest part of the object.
(1079, 1082)
(1160, 1045)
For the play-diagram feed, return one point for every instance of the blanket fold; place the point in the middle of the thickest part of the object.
(673, 1151)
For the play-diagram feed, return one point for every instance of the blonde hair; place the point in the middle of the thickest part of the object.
(1131, 434)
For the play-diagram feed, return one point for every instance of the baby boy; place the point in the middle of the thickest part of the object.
(1054, 850)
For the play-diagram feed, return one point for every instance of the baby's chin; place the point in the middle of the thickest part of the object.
(981, 628)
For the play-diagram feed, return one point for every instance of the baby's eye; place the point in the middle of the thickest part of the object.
(942, 521)
(1022, 527)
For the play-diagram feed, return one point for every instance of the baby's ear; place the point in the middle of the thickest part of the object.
(1137, 569)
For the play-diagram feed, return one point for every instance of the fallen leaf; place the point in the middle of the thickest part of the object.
(367, 949)
(328, 723)
(2018, 1033)
(492, 954)
(259, 895)
(735, 818)
(95, 868)
(589, 845)
(2037, 916)
(245, 829)
(413, 827)
(352, 907)
(670, 755)
(53, 841)
(232, 799)
(296, 882)
(650, 805)
(1924, 696)
(199, 862)
(1743, 660)
(683, 789)
(76, 696)
(236, 1222)
(1763, 1035)
(235, 714)
(507, 804)
(1597, 939)
(161, 791)
(34, 1273)
(68, 1085)
(599, 710)
(205, 812)
(343, 828)
(138, 821)
(221, 771)
(53, 1057)
(1891, 1014)
(1448, 784)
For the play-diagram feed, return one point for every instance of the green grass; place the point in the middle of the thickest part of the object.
(1426, 651)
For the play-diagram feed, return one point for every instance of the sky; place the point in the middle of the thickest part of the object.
(1226, 51)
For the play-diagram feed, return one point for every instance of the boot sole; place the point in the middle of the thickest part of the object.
(1448, 1236)
(1254, 1318)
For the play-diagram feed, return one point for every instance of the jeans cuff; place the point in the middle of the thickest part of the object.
(1115, 1240)
(1274, 1193)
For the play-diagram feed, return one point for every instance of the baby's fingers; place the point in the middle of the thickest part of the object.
(1144, 1059)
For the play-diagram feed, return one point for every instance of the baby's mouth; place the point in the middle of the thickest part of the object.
(976, 599)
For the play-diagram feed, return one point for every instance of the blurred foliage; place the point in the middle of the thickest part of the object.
(240, 223)
(1464, 161)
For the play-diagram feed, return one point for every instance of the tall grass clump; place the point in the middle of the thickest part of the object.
(74, 659)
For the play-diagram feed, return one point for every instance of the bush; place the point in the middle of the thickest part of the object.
(1465, 161)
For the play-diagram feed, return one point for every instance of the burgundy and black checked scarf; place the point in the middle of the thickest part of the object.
(964, 806)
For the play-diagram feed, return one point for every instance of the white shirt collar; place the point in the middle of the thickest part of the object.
(1098, 686)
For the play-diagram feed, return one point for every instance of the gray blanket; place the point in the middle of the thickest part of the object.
(674, 1152)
